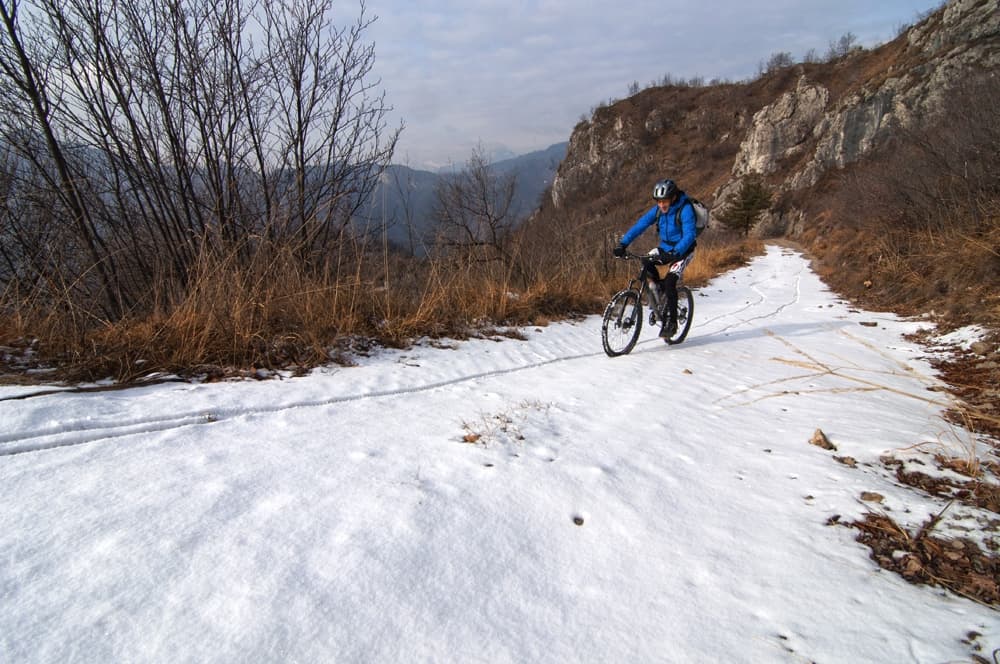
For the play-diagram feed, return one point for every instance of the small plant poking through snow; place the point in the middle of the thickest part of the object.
(502, 428)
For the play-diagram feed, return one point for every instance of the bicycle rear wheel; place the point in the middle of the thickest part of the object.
(622, 323)
(685, 314)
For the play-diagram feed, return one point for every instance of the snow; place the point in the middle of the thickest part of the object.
(962, 338)
(664, 506)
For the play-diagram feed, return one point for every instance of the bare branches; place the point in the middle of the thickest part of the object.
(167, 129)
(474, 210)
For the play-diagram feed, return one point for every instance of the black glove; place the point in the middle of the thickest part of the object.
(620, 250)
(668, 257)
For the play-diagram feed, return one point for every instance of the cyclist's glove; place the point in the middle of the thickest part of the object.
(668, 257)
(620, 250)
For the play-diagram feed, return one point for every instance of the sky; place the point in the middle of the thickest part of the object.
(515, 76)
(500, 500)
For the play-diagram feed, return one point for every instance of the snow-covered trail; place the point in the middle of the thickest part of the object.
(662, 506)
(93, 417)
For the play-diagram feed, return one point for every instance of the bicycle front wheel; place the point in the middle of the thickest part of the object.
(685, 314)
(622, 323)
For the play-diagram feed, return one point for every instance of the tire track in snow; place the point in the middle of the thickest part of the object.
(762, 299)
(63, 436)
(70, 435)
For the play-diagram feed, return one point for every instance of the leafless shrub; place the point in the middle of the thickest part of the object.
(841, 47)
(475, 215)
(778, 61)
(144, 135)
(935, 196)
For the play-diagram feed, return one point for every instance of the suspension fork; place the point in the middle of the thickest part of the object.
(649, 274)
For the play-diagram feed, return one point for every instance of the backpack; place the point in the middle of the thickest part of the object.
(701, 216)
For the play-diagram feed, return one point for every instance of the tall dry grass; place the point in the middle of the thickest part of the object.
(272, 312)
(915, 228)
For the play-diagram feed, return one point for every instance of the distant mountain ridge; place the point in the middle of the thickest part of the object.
(404, 199)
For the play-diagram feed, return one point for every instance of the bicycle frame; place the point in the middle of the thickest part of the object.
(641, 284)
(623, 317)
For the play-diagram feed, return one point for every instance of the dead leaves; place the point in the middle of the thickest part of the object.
(958, 564)
(976, 493)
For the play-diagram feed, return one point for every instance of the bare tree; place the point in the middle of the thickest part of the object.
(330, 121)
(779, 61)
(841, 47)
(164, 130)
(474, 212)
(34, 97)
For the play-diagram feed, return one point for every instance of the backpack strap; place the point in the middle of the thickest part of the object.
(677, 220)
(677, 215)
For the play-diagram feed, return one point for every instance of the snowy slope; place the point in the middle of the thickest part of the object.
(664, 506)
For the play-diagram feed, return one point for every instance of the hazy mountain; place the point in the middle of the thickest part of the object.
(405, 198)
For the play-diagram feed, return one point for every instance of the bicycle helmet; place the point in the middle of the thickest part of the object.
(664, 189)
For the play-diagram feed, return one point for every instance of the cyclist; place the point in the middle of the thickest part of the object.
(676, 246)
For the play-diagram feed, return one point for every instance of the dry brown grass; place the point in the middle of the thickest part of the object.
(274, 314)
(915, 227)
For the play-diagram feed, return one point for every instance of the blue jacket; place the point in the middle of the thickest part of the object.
(678, 240)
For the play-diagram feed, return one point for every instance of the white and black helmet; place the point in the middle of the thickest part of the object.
(664, 189)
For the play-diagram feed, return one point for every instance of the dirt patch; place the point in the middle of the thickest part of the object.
(924, 557)
(975, 379)
(956, 564)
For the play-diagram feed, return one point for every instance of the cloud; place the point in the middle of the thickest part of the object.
(522, 73)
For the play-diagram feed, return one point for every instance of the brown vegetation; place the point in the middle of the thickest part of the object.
(912, 228)
(274, 314)
(916, 227)
(927, 556)
(957, 564)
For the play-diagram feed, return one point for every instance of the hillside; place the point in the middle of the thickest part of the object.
(882, 165)
(825, 137)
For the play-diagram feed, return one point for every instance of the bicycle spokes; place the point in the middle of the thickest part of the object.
(622, 323)
(623, 317)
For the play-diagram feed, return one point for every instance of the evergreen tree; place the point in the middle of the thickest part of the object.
(752, 200)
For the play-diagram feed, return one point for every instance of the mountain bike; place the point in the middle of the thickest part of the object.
(623, 316)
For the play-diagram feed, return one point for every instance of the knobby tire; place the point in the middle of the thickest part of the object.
(622, 323)
(685, 314)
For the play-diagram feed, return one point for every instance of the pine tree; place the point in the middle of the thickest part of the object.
(752, 200)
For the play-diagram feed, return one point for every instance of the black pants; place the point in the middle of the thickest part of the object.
(669, 286)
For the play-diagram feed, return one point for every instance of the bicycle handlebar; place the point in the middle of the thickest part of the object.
(630, 256)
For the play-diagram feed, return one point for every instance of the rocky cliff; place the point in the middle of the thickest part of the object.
(792, 126)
